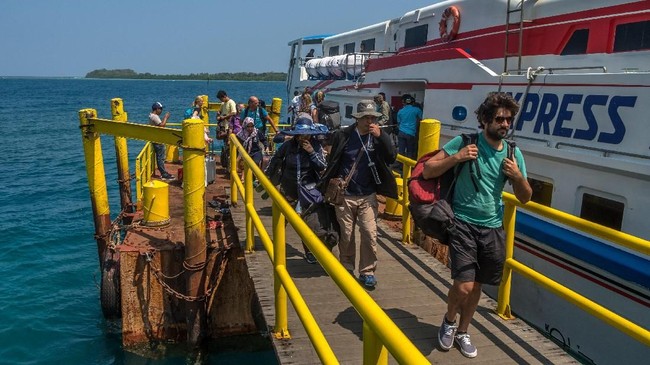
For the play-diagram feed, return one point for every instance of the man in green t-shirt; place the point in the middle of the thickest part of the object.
(477, 250)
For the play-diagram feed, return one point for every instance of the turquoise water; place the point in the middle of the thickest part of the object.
(49, 299)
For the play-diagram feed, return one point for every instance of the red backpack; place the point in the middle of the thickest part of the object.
(427, 191)
(430, 199)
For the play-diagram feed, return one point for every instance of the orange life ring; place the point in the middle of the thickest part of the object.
(455, 14)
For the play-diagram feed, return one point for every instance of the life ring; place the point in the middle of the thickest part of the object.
(455, 14)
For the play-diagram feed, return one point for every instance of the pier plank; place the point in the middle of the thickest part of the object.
(412, 289)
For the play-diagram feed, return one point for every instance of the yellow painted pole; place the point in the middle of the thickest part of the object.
(276, 110)
(429, 139)
(233, 170)
(194, 216)
(96, 180)
(429, 136)
(248, 200)
(204, 110)
(318, 340)
(279, 260)
(122, 157)
(374, 352)
(503, 302)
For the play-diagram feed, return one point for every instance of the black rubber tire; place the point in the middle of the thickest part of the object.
(110, 286)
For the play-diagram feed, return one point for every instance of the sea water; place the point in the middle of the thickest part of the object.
(49, 298)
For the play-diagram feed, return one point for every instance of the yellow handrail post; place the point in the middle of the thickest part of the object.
(503, 302)
(122, 156)
(96, 180)
(429, 136)
(138, 181)
(194, 216)
(276, 110)
(204, 110)
(233, 170)
(248, 200)
(281, 329)
(406, 213)
(374, 352)
(428, 141)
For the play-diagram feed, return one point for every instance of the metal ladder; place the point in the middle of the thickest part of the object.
(511, 30)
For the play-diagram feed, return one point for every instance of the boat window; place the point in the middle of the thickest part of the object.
(416, 36)
(577, 44)
(348, 48)
(606, 212)
(632, 36)
(334, 51)
(368, 45)
(542, 191)
(348, 111)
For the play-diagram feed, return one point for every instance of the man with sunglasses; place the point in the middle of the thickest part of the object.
(477, 250)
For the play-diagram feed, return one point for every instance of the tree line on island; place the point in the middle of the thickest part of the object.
(234, 76)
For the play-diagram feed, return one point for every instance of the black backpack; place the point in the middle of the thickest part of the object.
(329, 114)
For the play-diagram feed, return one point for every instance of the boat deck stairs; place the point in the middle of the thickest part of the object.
(412, 290)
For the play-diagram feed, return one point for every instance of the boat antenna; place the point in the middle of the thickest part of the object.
(531, 75)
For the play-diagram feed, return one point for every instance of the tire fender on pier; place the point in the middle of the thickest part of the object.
(110, 285)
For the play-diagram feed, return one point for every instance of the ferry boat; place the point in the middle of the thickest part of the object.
(581, 70)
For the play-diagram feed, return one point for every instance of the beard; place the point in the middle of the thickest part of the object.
(496, 134)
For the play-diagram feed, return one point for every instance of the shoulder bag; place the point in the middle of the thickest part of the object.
(336, 186)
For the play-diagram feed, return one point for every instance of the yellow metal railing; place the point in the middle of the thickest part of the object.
(407, 166)
(503, 306)
(429, 136)
(380, 333)
(145, 164)
(625, 240)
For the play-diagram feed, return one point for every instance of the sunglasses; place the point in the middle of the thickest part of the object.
(500, 119)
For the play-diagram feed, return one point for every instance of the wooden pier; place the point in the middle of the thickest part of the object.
(412, 289)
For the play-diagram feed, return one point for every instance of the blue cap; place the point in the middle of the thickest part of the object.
(156, 105)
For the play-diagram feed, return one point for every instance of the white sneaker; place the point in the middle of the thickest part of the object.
(465, 345)
(446, 335)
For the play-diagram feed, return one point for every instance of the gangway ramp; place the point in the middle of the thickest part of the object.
(412, 289)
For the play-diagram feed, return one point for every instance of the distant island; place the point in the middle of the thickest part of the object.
(236, 76)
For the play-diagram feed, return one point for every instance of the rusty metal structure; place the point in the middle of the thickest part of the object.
(162, 281)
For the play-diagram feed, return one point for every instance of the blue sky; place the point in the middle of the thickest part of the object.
(73, 37)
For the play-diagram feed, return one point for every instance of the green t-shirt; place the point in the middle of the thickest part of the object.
(485, 207)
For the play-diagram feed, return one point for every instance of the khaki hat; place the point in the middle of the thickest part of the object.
(366, 107)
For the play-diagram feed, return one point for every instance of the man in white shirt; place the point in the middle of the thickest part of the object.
(154, 119)
(228, 109)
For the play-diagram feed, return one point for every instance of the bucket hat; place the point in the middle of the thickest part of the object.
(305, 126)
(366, 107)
